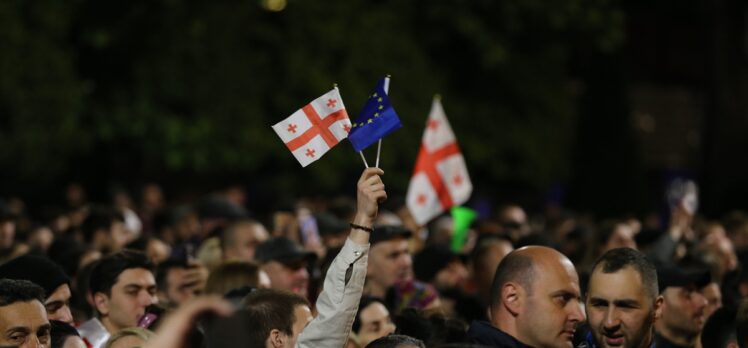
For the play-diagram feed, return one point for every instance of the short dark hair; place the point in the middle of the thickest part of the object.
(15, 290)
(616, 259)
(99, 218)
(366, 300)
(515, 267)
(394, 341)
(162, 271)
(228, 235)
(107, 270)
(60, 332)
(276, 307)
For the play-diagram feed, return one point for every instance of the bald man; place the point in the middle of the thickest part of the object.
(535, 302)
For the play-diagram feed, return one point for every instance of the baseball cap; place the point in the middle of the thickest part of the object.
(384, 233)
(679, 277)
(283, 250)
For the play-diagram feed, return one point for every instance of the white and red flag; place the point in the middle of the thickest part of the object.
(315, 128)
(440, 179)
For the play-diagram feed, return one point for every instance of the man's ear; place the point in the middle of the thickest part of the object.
(658, 304)
(276, 338)
(512, 297)
(101, 302)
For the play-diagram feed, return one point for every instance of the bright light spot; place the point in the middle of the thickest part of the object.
(274, 5)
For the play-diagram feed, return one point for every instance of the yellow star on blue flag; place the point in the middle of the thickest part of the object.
(377, 120)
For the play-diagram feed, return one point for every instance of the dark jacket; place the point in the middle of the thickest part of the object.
(486, 334)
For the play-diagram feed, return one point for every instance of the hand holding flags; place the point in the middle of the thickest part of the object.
(440, 179)
(315, 128)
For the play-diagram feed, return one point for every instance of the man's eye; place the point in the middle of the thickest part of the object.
(18, 338)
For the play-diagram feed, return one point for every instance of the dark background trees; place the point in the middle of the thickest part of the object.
(542, 96)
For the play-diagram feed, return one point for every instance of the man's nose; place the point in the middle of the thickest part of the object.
(699, 300)
(65, 315)
(576, 314)
(147, 298)
(302, 273)
(611, 319)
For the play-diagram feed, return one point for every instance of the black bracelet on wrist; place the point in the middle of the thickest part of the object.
(362, 228)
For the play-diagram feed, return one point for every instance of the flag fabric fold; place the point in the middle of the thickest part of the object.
(377, 120)
(440, 179)
(315, 128)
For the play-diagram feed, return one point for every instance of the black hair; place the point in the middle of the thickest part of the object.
(366, 300)
(515, 267)
(394, 341)
(616, 259)
(276, 309)
(162, 271)
(99, 218)
(107, 270)
(12, 291)
(60, 332)
(431, 328)
(720, 328)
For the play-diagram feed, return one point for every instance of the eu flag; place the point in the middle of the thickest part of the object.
(377, 120)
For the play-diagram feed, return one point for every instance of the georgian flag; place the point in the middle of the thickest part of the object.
(440, 179)
(315, 128)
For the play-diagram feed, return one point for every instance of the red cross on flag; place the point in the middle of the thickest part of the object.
(315, 128)
(440, 179)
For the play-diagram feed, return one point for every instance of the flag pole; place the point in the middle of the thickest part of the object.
(335, 85)
(363, 158)
(386, 90)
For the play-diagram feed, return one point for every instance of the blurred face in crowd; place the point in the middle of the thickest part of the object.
(119, 236)
(58, 304)
(24, 325)
(375, 323)
(7, 233)
(451, 276)
(550, 310)
(246, 237)
(514, 221)
(713, 296)
(389, 262)
(622, 237)
(184, 284)
(485, 268)
(682, 313)
(134, 290)
(291, 276)
(620, 312)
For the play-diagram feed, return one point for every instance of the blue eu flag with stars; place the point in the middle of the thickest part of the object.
(377, 120)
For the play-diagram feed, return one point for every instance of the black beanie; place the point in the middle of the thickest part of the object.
(36, 269)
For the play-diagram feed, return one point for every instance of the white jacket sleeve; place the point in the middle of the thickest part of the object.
(337, 304)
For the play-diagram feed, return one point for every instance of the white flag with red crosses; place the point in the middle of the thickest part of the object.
(315, 128)
(440, 179)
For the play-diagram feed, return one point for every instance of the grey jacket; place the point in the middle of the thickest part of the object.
(338, 303)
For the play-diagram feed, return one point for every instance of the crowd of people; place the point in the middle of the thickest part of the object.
(358, 272)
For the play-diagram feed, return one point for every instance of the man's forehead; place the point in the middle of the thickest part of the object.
(393, 244)
(31, 314)
(136, 276)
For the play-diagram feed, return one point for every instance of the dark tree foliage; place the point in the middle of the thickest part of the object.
(186, 91)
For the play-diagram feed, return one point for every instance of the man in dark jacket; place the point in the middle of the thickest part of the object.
(535, 301)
